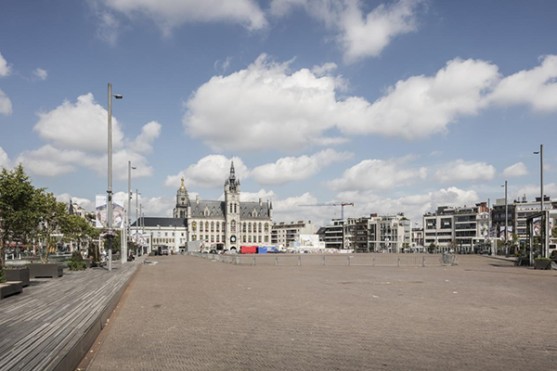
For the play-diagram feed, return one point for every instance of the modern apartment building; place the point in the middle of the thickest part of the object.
(369, 234)
(285, 234)
(457, 228)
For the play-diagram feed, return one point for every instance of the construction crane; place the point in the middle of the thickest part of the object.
(341, 204)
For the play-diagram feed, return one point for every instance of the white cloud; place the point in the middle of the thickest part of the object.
(421, 106)
(210, 171)
(263, 107)
(76, 136)
(288, 169)
(143, 142)
(413, 206)
(262, 195)
(157, 206)
(460, 170)
(40, 73)
(360, 35)
(5, 68)
(377, 175)
(367, 36)
(51, 161)
(531, 191)
(5, 104)
(518, 169)
(80, 125)
(169, 14)
(4, 159)
(290, 209)
(108, 28)
(536, 87)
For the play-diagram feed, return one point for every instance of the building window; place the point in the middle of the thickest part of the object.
(212, 226)
(233, 226)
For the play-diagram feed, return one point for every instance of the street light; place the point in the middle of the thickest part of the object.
(543, 229)
(124, 255)
(109, 190)
(506, 221)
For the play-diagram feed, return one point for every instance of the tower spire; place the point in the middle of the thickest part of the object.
(232, 171)
(231, 183)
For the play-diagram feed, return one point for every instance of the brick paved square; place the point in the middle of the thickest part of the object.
(188, 313)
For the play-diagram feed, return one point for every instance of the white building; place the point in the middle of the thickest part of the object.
(284, 234)
(459, 228)
(228, 224)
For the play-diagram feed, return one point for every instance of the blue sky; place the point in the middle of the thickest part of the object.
(396, 106)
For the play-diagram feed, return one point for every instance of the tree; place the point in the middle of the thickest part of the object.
(76, 228)
(51, 216)
(17, 214)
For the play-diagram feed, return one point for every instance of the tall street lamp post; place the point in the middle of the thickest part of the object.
(138, 238)
(128, 214)
(506, 221)
(543, 230)
(109, 190)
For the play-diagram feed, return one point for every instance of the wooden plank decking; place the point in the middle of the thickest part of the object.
(54, 322)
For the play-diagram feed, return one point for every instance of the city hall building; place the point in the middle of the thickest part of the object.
(224, 225)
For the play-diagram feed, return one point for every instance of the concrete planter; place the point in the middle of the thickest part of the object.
(542, 263)
(10, 288)
(17, 274)
(47, 270)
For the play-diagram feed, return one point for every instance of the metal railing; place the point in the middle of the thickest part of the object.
(355, 259)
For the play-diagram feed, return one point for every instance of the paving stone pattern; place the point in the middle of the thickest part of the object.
(188, 313)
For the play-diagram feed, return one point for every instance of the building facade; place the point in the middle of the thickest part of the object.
(228, 224)
(457, 228)
(285, 234)
(390, 233)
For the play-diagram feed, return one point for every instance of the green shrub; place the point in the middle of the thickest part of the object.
(76, 262)
(74, 265)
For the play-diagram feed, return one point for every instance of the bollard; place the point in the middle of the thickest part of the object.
(398, 261)
(423, 261)
(349, 258)
(373, 261)
(324, 260)
(253, 259)
(299, 260)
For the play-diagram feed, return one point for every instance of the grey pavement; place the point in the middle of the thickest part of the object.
(188, 313)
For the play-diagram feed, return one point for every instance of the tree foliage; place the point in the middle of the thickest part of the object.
(30, 215)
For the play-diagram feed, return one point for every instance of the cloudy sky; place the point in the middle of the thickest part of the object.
(396, 106)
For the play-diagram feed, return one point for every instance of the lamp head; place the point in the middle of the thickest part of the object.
(118, 96)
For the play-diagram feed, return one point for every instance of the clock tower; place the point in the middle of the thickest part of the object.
(182, 209)
(232, 210)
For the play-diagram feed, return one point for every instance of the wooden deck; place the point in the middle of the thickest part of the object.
(53, 323)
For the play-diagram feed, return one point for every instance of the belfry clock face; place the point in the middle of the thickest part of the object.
(232, 239)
